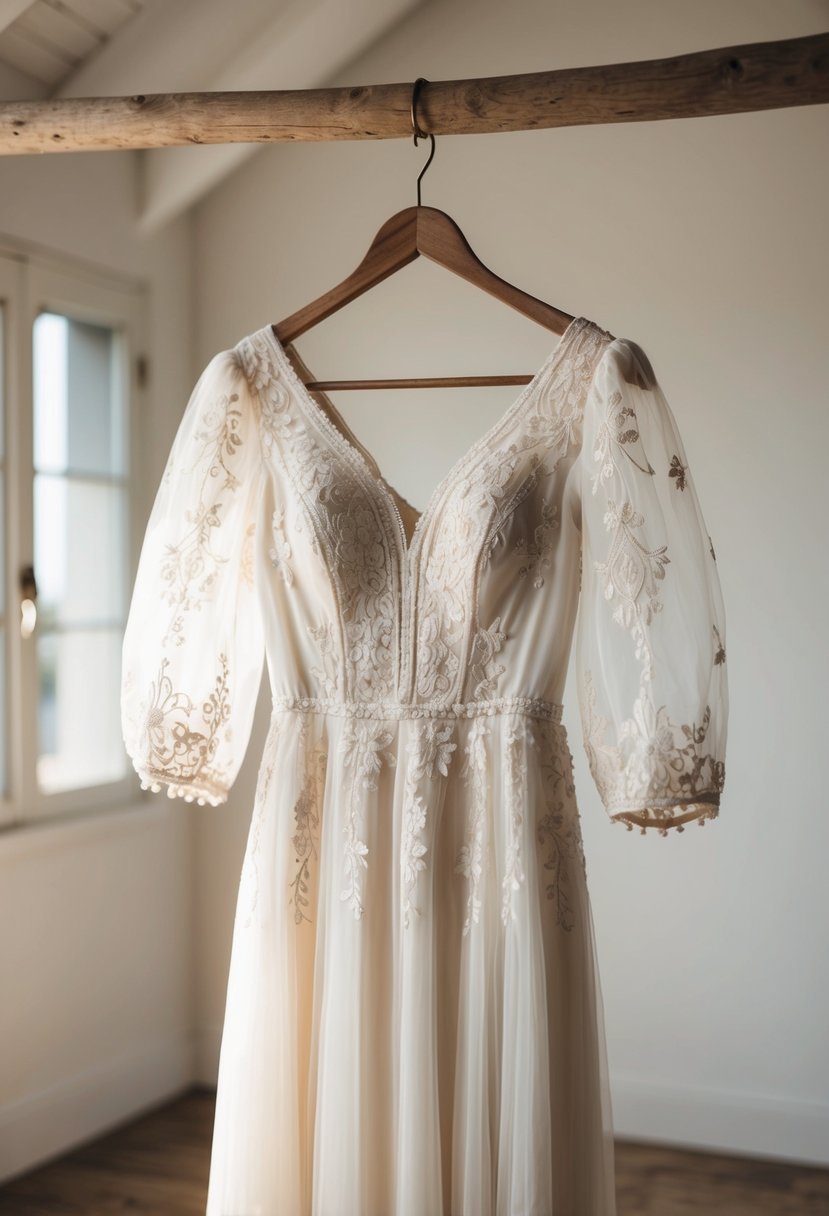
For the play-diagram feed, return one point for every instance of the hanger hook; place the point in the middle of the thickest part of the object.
(418, 132)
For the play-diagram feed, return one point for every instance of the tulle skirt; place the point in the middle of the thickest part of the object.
(413, 1023)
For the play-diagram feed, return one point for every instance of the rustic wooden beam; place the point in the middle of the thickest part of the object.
(728, 80)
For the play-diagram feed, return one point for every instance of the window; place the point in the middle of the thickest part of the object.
(80, 546)
(70, 525)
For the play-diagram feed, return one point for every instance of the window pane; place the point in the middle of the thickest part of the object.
(80, 548)
(79, 720)
(79, 412)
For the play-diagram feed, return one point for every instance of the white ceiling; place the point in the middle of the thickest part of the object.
(50, 39)
(118, 48)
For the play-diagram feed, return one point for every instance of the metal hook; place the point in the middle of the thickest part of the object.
(420, 133)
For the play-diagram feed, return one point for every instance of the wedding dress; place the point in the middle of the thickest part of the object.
(413, 1022)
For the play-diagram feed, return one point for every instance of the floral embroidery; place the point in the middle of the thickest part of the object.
(539, 555)
(631, 569)
(343, 516)
(430, 748)
(620, 428)
(434, 749)
(472, 857)
(518, 736)
(413, 852)
(659, 772)
(483, 668)
(418, 652)
(220, 437)
(280, 550)
(191, 559)
(190, 566)
(364, 742)
(354, 858)
(719, 656)
(442, 616)
(678, 471)
(559, 826)
(657, 763)
(276, 415)
(478, 506)
(497, 470)
(305, 839)
(176, 753)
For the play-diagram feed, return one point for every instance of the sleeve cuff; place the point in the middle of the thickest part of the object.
(201, 792)
(664, 817)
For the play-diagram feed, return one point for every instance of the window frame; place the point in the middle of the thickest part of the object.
(33, 282)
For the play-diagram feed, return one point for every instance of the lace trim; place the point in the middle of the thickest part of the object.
(664, 817)
(533, 707)
(177, 753)
(656, 764)
(201, 791)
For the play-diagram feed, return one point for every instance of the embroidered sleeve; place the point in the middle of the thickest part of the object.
(193, 645)
(650, 646)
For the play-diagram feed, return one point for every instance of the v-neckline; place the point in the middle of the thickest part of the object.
(360, 457)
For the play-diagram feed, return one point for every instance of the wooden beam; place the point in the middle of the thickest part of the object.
(729, 80)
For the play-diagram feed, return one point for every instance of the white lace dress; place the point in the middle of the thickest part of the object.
(413, 1024)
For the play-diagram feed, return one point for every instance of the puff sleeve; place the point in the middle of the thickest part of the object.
(193, 645)
(650, 641)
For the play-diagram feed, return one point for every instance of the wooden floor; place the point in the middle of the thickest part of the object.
(158, 1166)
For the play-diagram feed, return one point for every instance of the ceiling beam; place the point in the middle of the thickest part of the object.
(729, 80)
(726, 80)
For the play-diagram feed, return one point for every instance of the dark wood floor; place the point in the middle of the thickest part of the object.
(158, 1165)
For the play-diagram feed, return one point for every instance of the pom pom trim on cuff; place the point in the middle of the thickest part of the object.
(200, 792)
(664, 818)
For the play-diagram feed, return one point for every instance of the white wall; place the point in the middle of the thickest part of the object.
(705, 241)
(96, 1016)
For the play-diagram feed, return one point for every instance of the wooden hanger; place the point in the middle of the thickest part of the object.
(402, 238)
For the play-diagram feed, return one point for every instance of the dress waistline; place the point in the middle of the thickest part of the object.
(534, 707)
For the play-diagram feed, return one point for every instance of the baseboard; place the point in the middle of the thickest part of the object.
(756, 1125)
(708, 1120)
(53, 1121)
